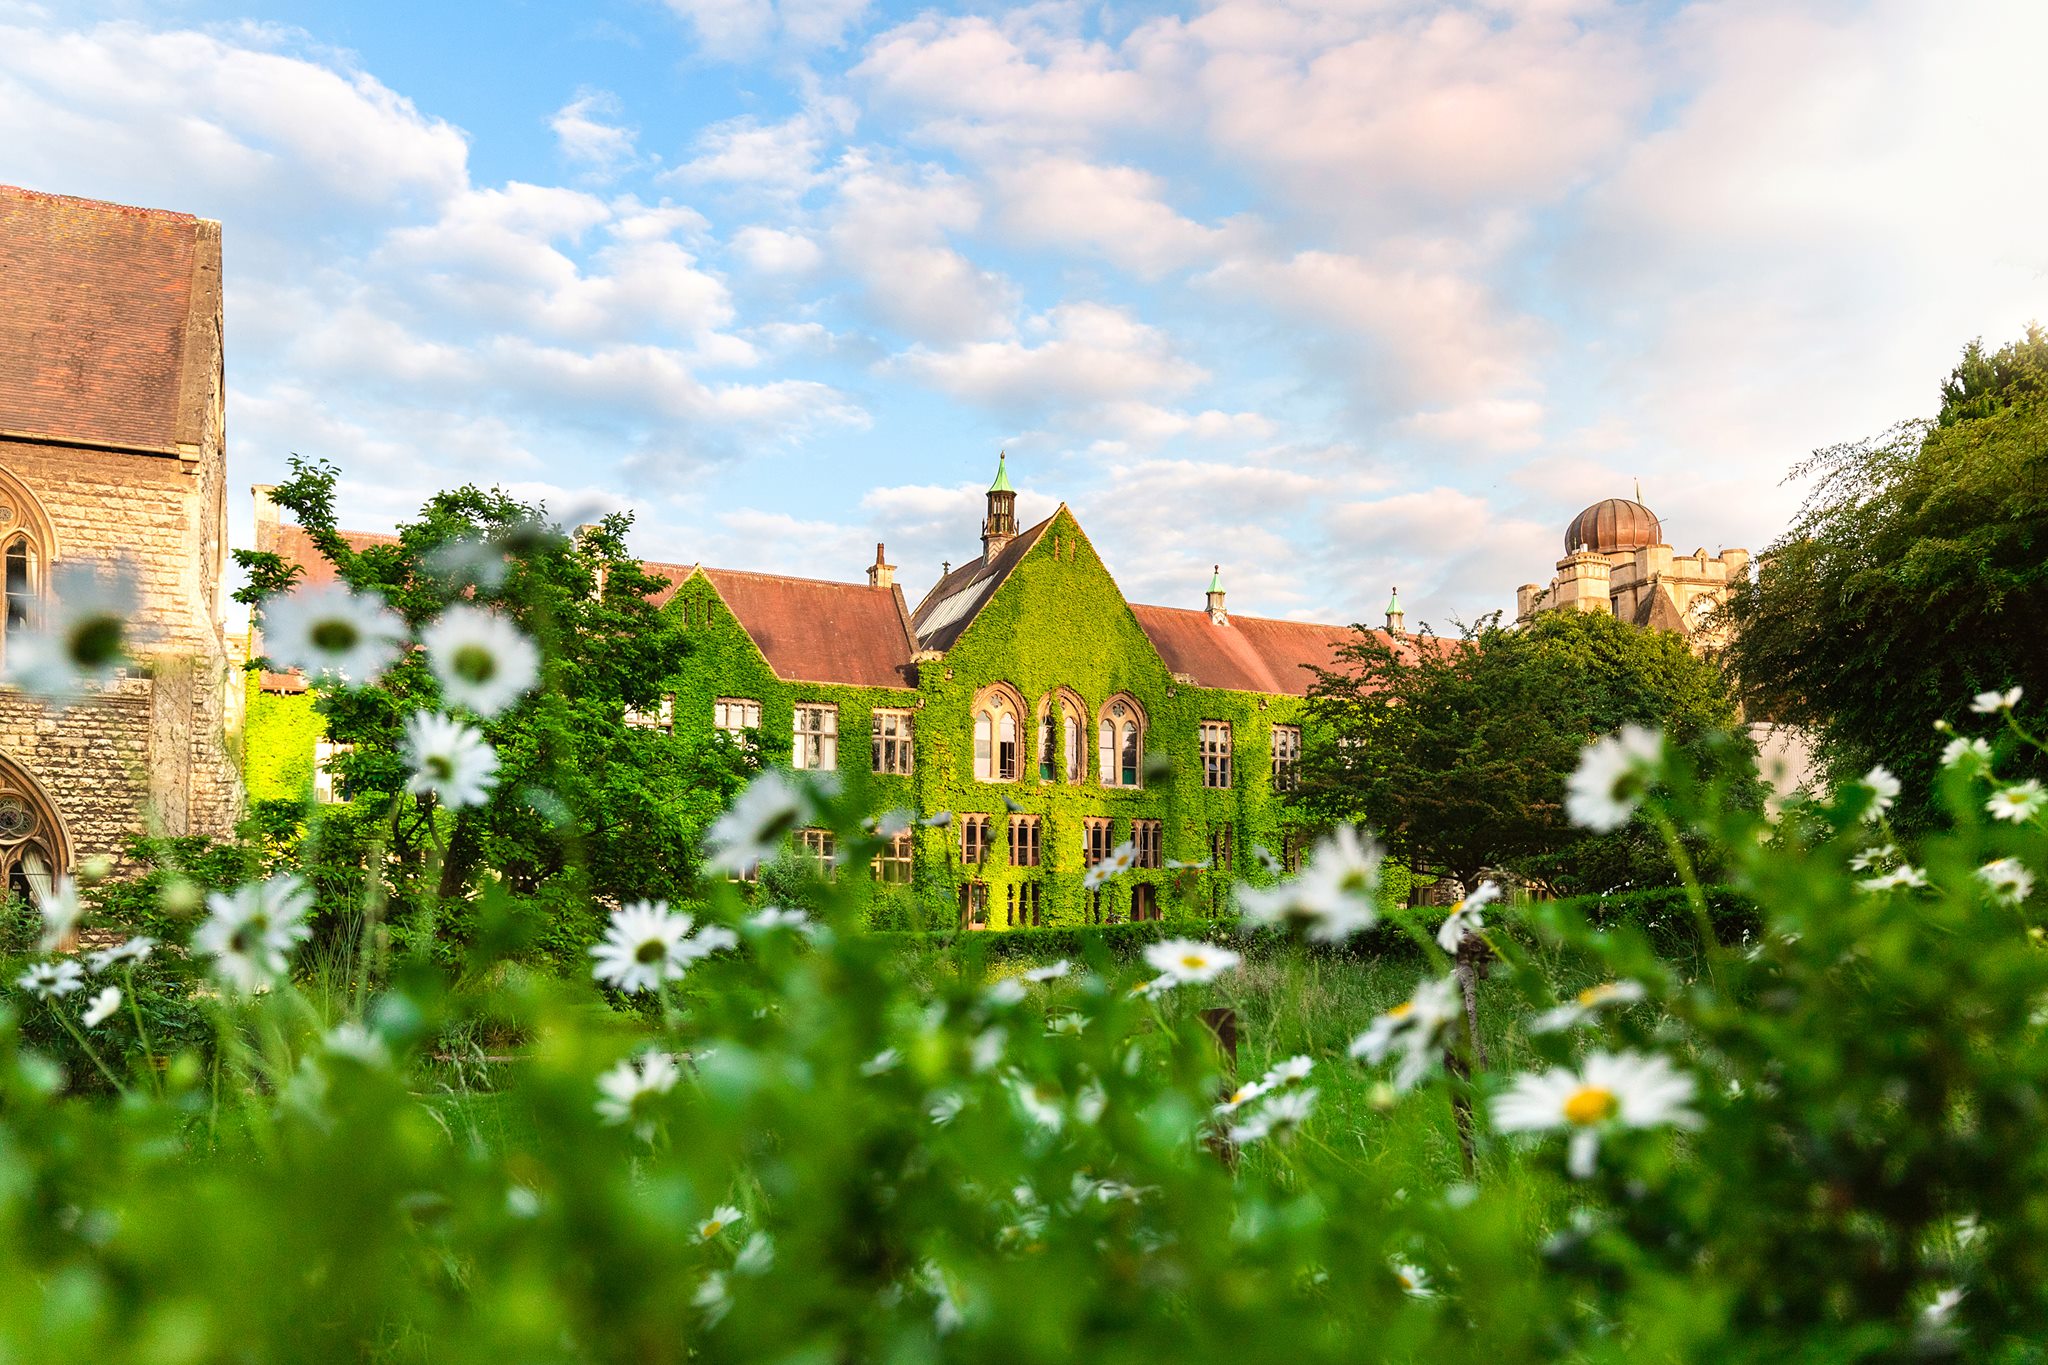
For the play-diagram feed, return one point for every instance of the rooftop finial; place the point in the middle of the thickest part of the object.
(1397, 620)
(1216, 612)
(1002, 483)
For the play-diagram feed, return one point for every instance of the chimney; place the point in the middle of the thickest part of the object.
(1216, 612)
(266, 516)
(881, 574)
(1397, 620)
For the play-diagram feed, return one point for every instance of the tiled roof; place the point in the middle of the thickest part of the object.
(949, 608)
(811, 630)
(109, 322)
(1249, 654)
(296, 547)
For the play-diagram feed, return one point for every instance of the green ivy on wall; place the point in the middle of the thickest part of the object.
(280, 733)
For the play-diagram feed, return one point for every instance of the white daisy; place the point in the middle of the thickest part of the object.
(1179, 865)
(1008, 991)
(60, 912)
(712, 938)
(1884, 790)
(1610, 1090)
(642, 947)
(1287, 1072)
(135, 949)
(2018, 802)
(1334, 896)
(1416, 1029)
(1904, 875)
(1190, 961)
(722, 1217)
(1413, 1279)
(1263, 856)
(946, 1107)
(482, 660)
(628, 1092)
(1068, 1025)
(1465, 918)
(712, 1298)
(1873, 856)
(49, 980)
(752, 830)
(1041, 1106)
(326, 631)
(450, 760)
(1278, 1117)
(887, 1060)
(1938, 1313)
(83, 638)
(756, 1256)
(1051, 972)
(252, 928)
(1989, 703)
(939, 821)
(2008, 879)
(775, 917)
(1121, 859)
(1960, 750)
(1612, 775)
(469, 559)
(102, 1007)
(1242, 1096)
(1587, 1005)
(354, 1041)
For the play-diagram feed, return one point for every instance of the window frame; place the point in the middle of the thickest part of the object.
(900, 747)
(899, 853)
(719, 720)
(825, 741)
(977, 832)
(1144, 901)
(1148, 838)
(662, 718)
(1098, 839)
(1217, 742)
(1120, 728)
(821, 847)
(1286, 758)
(973, 898)
(1027, 836)
(995, 706)
(1024, 905)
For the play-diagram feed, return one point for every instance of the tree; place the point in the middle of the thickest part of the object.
(1456, 751)
(585, 803)
(1915, 576)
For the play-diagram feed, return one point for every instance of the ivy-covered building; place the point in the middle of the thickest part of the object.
(1051, 719)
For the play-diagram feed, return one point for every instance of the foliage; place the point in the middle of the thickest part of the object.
(1903, 587)
(280, 731)
(582, 796)
(917, 1167)
(1457, 750)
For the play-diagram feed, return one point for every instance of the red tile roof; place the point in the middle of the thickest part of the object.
(296, 547)
(811, 630)
(1249, 654)
(109, 322)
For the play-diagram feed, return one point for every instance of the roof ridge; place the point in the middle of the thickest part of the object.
(79, 201)
(1244, 616)
(789, 577)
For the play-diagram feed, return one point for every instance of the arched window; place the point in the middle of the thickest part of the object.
(1120, 742)
(998, 751)
(1061, 730)
(35, 846)
(28, 544)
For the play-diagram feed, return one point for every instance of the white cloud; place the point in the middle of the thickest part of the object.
(585, 137)
(781, 157)
(773, 251)
(890, 229)
(1116, 212)
(1088, 353)
(193, 121)
(733, 29)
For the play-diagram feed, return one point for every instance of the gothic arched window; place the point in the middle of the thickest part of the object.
(35, 846)
(28, 544)
(998, 751)
(1120, 742)
(1062, 736)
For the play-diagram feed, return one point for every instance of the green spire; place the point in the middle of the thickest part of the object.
(1002, 483)
(1394, 603)
(1216, 579)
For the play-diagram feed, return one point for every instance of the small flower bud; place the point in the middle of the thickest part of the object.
(180, 897)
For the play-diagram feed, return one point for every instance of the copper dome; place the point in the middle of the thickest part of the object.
(1613, 526)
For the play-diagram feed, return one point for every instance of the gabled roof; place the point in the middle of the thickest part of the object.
(949, 608)
(109, 323)
(1248, 654)
(813, 630)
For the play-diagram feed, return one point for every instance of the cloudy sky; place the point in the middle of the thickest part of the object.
(1341, 295)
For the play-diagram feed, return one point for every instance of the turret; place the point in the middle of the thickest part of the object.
(999, 528)
(881, 573)
(1216, 612)
(1397, 620)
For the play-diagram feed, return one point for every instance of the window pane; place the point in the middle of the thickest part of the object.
(984, 726)
(1130, 754)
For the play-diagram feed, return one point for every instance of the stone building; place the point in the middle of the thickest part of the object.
(1616, 561)
(112, 455)
(1024, 708)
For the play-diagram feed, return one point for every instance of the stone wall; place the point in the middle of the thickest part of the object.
(163, 516)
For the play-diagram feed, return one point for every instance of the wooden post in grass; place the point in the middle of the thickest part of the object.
(1221, 1022)
(1472, 961)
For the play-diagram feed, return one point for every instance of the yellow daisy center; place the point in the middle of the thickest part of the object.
(713, 1228)
(1193, 960)
(1591, 1104)
(1406, 1007)
(1407, 1280)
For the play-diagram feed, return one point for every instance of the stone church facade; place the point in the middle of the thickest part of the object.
(112, 454)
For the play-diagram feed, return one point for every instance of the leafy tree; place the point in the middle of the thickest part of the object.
(1915, 577)
(585, 803)
(1456, 751)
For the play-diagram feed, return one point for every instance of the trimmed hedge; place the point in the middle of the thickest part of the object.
(1661, 913)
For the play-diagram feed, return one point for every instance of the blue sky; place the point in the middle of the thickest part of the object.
(1339, 295)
